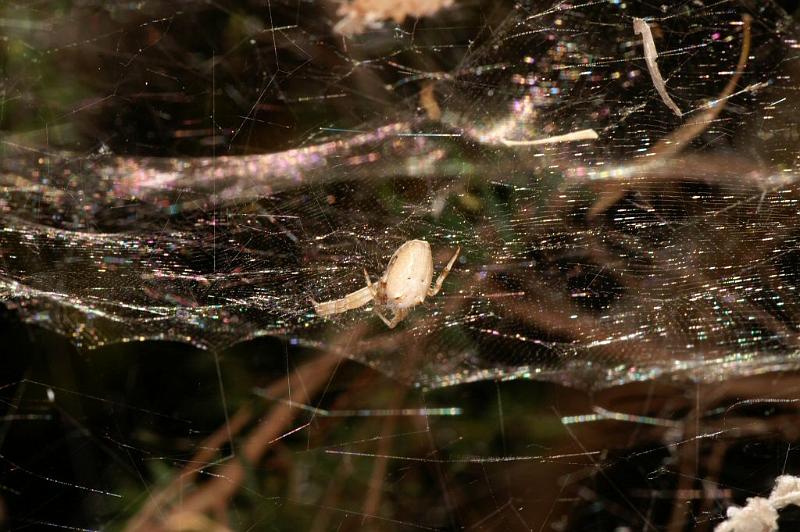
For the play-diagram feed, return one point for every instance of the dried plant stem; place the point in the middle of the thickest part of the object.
(680, 138)
(675, 142)
(305, 382)
(640, 27)
(337, 482)
(214, 495)
(713, 470)
(687, 473)
(427, 100)
(373, 499)
(583, 134)
(209, 448)
(374, 492)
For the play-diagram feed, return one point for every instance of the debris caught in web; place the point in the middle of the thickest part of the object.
(761, 514)
(360, 15)
(641, 27)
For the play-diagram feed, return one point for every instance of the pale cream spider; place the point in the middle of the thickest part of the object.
(406, 283)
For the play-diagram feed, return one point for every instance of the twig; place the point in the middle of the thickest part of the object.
(306, 381)
(427, 100)
(373, 498)
(640, 27)
(695, 126)
(680, 138)
(583, 134)
(208, 450)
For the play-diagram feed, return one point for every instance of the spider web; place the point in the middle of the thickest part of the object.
(665, 246)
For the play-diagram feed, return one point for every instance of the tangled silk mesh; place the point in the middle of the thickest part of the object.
(666, 246)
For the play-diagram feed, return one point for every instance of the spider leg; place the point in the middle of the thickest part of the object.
(432, 291)
(351, 301)
(397, 318)
(382, 289)
(372, 289)
(385, 320)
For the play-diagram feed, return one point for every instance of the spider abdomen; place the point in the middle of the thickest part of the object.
(408, 276)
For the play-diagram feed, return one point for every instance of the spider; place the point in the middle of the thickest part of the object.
(406, 283)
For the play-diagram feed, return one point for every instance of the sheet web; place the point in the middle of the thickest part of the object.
(667, 245)
(200, 172)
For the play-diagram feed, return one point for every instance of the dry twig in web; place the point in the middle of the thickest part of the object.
(306, 381)
(640, 27)
(583, 134)
(681, 137)
(208, 450)
(675, 142)
(214, 495)
(427, 100)
(379, 470)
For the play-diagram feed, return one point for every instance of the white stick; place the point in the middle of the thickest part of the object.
(583, 134)
(640, 27)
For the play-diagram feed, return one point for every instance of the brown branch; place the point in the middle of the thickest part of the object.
(209, 448)
(305, 382)
(675, 142)
(374, 492)
(680, 138)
